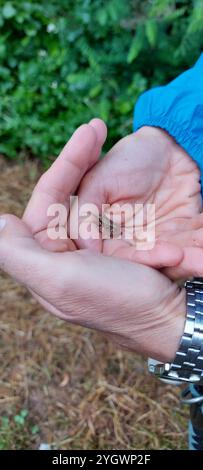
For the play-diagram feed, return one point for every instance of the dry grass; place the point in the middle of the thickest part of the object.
(79, 390)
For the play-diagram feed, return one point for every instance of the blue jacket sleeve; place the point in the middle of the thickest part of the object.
(178, 109)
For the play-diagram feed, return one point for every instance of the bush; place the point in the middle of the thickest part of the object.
(63, 62)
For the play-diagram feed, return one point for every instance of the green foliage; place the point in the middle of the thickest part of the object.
(64, 62)
(17, 430)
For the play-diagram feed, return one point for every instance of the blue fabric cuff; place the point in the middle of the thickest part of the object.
(178, 109)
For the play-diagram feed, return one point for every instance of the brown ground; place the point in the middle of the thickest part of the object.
(77, 390)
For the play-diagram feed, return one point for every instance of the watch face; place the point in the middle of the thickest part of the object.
(152, 363)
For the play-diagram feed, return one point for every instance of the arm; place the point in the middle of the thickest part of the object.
(178, 109)
(136, 306)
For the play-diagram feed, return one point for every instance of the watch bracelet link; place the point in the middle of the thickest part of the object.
(187, 365)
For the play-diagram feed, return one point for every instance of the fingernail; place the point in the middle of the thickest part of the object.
(2, 223)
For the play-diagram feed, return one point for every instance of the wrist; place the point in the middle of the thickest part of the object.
(158, 332)
(169, 334)
(159, 134)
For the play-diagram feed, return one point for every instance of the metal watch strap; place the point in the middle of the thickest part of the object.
(188, 362)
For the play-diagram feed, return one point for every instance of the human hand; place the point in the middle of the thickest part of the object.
(62, 180)
(136, 306)
(149, 167)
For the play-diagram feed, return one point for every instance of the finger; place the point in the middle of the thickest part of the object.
(190, 266)
(64, 176)
(20, 255)
(91, 193)
(26, 261)
(161, 255)
(59, 245)
(101, 130)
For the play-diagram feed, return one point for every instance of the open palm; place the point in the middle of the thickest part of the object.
(148, 167)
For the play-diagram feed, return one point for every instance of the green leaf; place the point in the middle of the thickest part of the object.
(136, 46)
(19, 420)
(196, 23)
(35, 429)
(95, 91)
(173, 15)
(24, 413)
(102, 17)
(8, 10)
(104, 109)
(5, 421)
(124, 107)
(151, 32)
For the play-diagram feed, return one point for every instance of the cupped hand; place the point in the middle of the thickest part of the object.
(70, 171)
(137, 306)
(148, 167)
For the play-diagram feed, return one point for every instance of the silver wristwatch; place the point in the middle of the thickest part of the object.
(187, 365)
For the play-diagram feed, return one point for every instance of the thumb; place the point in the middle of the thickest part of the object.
(20, 254)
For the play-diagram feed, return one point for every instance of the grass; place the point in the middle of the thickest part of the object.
(67, 386)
